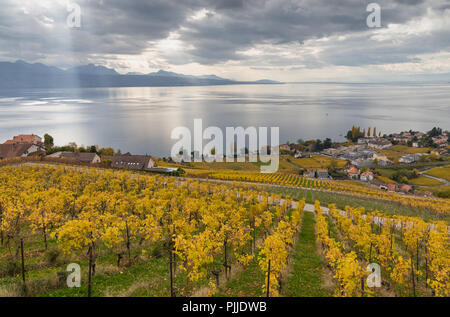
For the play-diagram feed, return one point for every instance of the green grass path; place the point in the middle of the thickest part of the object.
(306, 276)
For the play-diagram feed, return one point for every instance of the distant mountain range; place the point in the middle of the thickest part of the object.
(25, 75)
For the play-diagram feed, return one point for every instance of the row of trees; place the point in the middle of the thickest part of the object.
(356, 133)
(73, 147)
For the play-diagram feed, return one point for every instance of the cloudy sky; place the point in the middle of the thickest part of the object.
(287, 40)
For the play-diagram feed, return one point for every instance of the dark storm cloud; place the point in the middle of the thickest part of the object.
(409, 2)
(107, 27)
(229, 4)
(220, 36)
(129, 27)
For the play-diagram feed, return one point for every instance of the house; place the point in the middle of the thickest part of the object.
(285, 147)
(12, 150)
(134, 162)
(366, 176)
(353, 172)
(311, 173)
(323, 173)
(375, 142)
(439, 151)
(415, 144)
(363, 140)
(406, 188)
(440, 140)
(25, 138)
(402, 138)
(84, 157)
(379, 143)
(392, 187)
(411, 158)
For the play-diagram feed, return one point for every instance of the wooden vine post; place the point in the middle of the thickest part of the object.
(268, 281)
(90, 271)
(23, 266)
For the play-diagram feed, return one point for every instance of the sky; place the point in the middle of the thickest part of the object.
(285, 40)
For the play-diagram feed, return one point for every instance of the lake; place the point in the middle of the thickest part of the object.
(140, 120)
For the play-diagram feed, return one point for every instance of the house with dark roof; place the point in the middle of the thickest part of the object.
(311, 173)
(12, 150)
(134, 162)
(323, 173)
(411, 158)
(84, 157)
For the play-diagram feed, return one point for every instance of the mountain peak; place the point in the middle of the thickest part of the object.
(25, 75)
(91, 69)
(166, 73)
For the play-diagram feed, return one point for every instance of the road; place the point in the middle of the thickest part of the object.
(443, 180)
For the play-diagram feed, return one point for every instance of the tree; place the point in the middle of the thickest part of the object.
(333, 166)
(48, 141)
(106, 151)
(318, 146)
(435, 132)
(355, 133)
(327, 143)
(73, 145)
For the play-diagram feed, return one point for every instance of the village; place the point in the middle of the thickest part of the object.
(363, 158)
(33, 146)
(364, 155)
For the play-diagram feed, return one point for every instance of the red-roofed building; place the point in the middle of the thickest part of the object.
(406, 188)
(366, 176)
(353, 172)
(25, 138)
(392, 187)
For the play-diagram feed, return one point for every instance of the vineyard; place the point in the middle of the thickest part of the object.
(439, 207)
(413, 255)
(151, 235)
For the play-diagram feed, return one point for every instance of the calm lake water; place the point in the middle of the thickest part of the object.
(140, 120)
